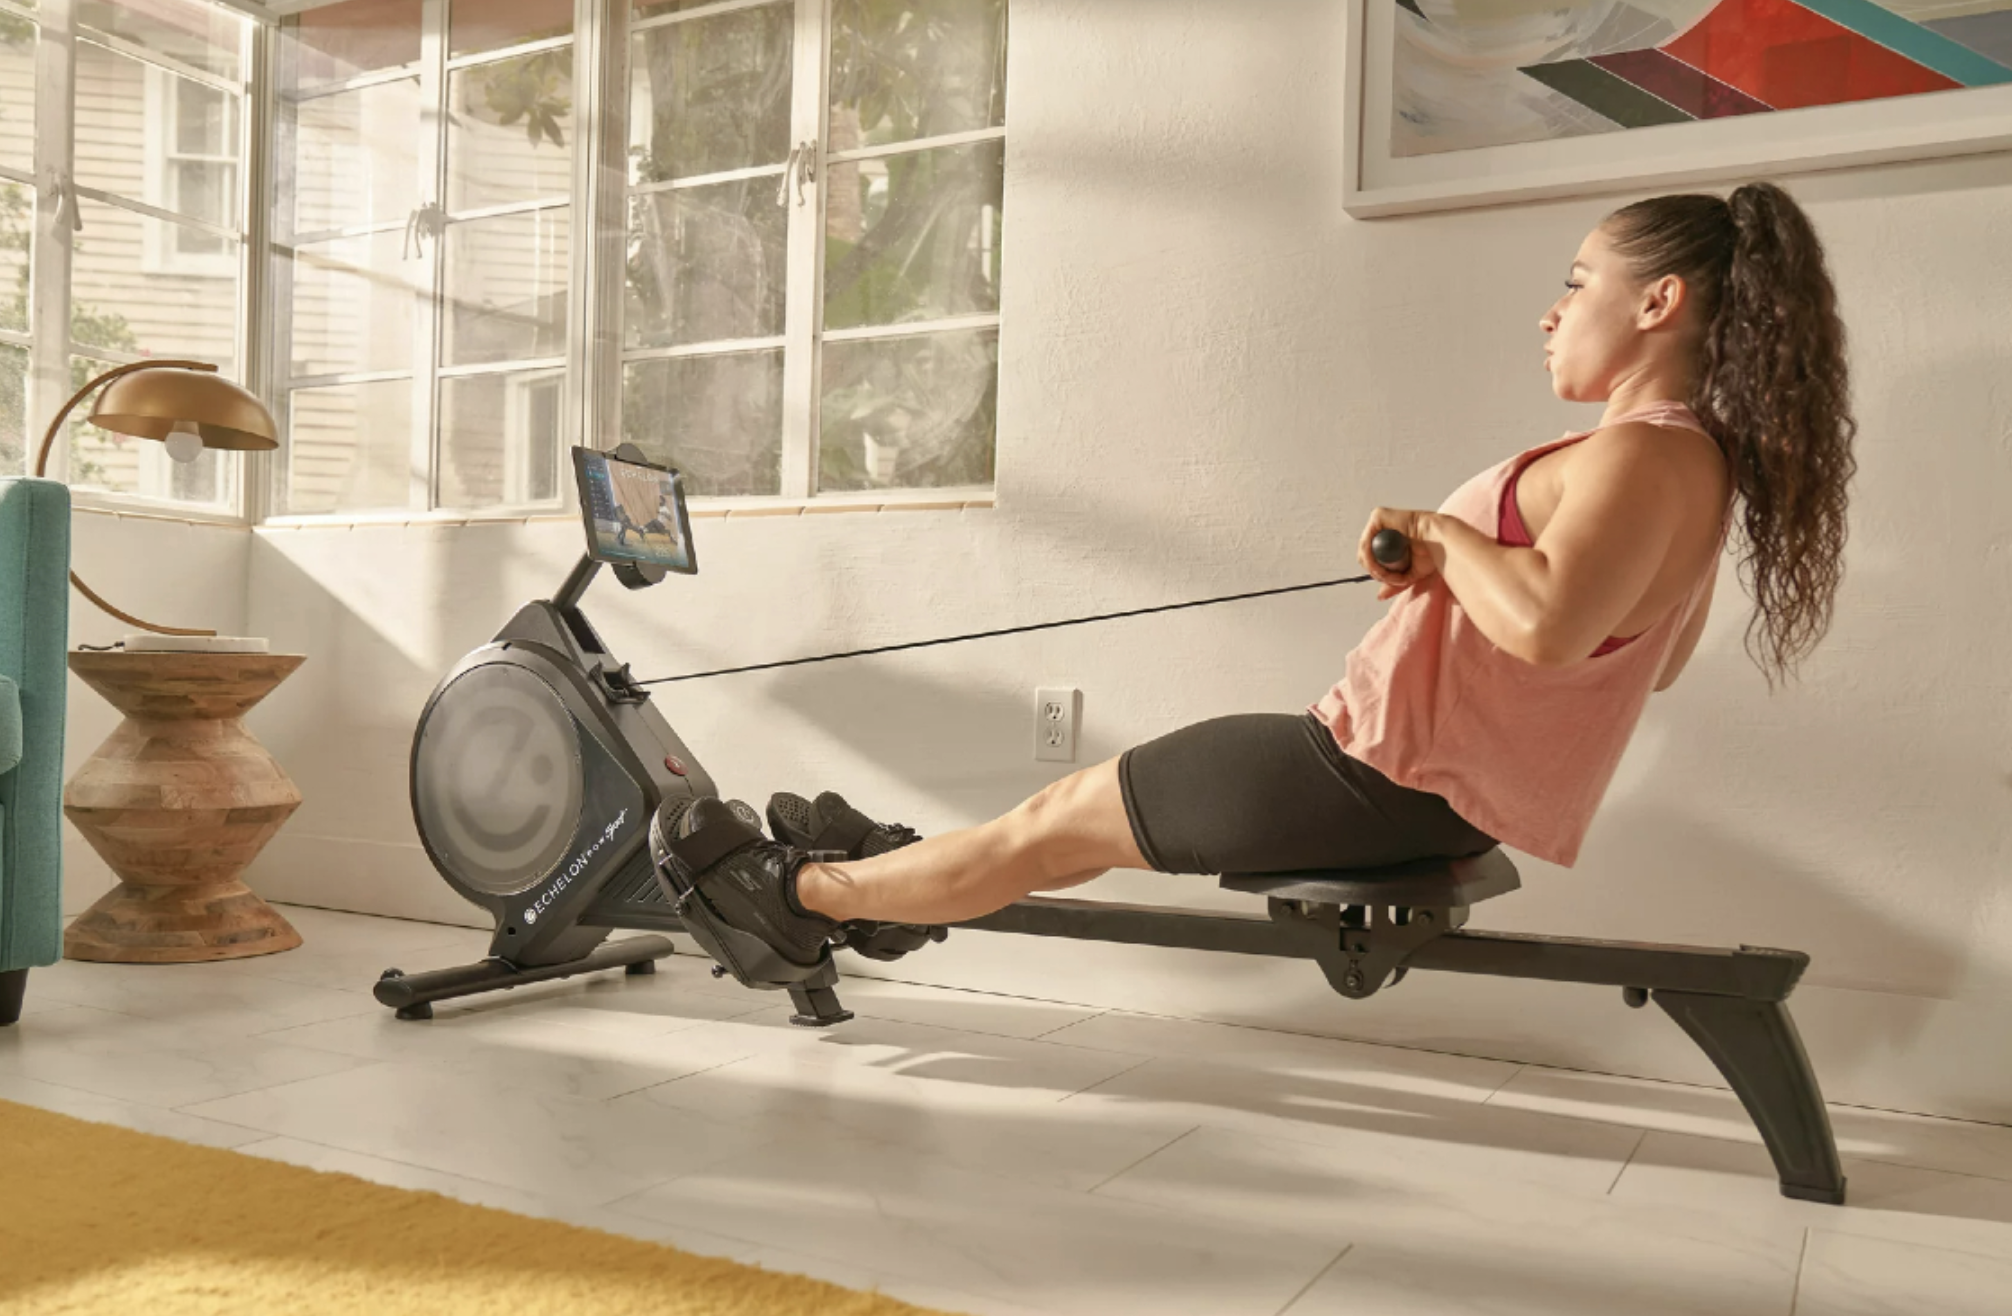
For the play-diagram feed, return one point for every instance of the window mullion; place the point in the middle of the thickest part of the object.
(806, 253)
(432, 165)
(49, 315)
(602, 258)
(592, 72)
(260, 335)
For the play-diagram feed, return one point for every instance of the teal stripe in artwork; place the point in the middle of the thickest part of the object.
(1605, 94)
(1929, 49)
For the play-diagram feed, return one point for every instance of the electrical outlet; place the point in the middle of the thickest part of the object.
(1055, 711)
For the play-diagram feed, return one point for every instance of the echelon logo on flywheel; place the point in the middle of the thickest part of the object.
(573, 870)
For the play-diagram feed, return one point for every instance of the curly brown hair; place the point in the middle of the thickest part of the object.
(1772, 389)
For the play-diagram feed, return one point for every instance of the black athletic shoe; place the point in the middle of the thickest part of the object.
(730, 883)
(832, 826)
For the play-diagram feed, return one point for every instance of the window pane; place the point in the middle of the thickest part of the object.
(915, 68)
(17, 244)
(706, 264)
(710, 95)
(205, 120)
(909, 413)
(17, 92)
(354, 158)
(100, 459)
(717, 418)
(335, 42)
(126, 296)
(478, 25)
(352, 305)
(129, 127)
(349, 448)
(202, 189)
(202, 36)
(499, 438)
(510, 131)
(914, 236)
(505, 285)
(14, 454)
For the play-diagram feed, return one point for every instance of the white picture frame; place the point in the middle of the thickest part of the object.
(1375, 185)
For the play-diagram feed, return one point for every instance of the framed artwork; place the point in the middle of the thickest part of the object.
(1468, 102)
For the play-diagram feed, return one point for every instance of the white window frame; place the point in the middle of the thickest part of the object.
(428, 369)
(803, 336)
(162, 136)
(55, 192)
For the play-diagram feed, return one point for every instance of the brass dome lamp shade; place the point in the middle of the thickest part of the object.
(183, 404)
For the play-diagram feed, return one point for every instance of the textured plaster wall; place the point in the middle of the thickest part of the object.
(1209, 375)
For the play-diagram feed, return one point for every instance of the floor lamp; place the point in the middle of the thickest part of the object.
(184, 404)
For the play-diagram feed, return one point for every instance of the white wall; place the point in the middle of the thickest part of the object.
(1209, 374)
(175, 573)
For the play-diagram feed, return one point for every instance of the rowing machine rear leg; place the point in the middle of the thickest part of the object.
(1756, 1047)
(816, 1003)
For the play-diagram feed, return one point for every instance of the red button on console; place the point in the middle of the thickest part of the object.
(675, 764)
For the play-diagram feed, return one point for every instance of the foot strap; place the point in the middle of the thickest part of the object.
(844, 833)
(712, 843)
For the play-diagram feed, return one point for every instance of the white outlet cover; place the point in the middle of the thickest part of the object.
(1056, 710)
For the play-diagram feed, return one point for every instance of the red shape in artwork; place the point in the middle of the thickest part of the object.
(1791, 58)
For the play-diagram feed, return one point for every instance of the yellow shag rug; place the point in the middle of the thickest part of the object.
(96, 1219)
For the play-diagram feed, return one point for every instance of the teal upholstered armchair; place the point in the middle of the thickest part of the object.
(34, 637)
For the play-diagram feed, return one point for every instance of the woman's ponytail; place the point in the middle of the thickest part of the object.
(1772, 388)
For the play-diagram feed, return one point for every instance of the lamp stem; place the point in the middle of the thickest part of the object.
(42, 464)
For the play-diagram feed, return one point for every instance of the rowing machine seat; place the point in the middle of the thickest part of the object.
(1418, 884)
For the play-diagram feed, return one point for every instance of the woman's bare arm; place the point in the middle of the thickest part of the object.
(1619, 510)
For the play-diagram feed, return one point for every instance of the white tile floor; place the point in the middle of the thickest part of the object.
(993, 1154)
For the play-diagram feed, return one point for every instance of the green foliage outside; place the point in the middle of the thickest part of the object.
(535, 90)
(901, 70)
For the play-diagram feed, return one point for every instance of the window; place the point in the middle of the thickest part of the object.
(424, 268)
(141, 186)
(192, 135)
(808, 232)
(814, 242)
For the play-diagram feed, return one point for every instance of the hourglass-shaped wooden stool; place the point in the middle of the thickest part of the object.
(178, 801)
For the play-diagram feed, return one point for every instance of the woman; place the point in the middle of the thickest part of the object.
(1542, 604)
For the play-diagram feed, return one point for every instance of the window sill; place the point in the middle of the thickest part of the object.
(134, 508)
(709, 510)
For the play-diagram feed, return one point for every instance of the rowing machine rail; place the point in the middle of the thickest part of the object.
(1732, 1003)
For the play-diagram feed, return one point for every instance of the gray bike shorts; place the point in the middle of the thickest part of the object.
(1273, 793)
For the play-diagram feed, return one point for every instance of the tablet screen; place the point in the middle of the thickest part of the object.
(634, 512)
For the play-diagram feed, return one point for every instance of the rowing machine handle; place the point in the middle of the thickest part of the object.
(1392, 549)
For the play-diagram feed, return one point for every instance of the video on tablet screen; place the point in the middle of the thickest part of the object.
(633, 512)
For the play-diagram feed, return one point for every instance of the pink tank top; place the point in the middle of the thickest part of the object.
(1522, 752)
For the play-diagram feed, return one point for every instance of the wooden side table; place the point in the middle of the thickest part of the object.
(178, 800)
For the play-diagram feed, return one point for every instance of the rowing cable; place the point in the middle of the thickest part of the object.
(1011, 630)
(1389, 547)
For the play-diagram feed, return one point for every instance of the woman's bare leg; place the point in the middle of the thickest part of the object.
(1067, 834)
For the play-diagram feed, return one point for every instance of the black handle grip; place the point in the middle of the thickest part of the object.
(1392, 549)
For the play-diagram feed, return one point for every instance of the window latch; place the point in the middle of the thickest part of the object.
(802, 166)
(427, 221)
(64, 194)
